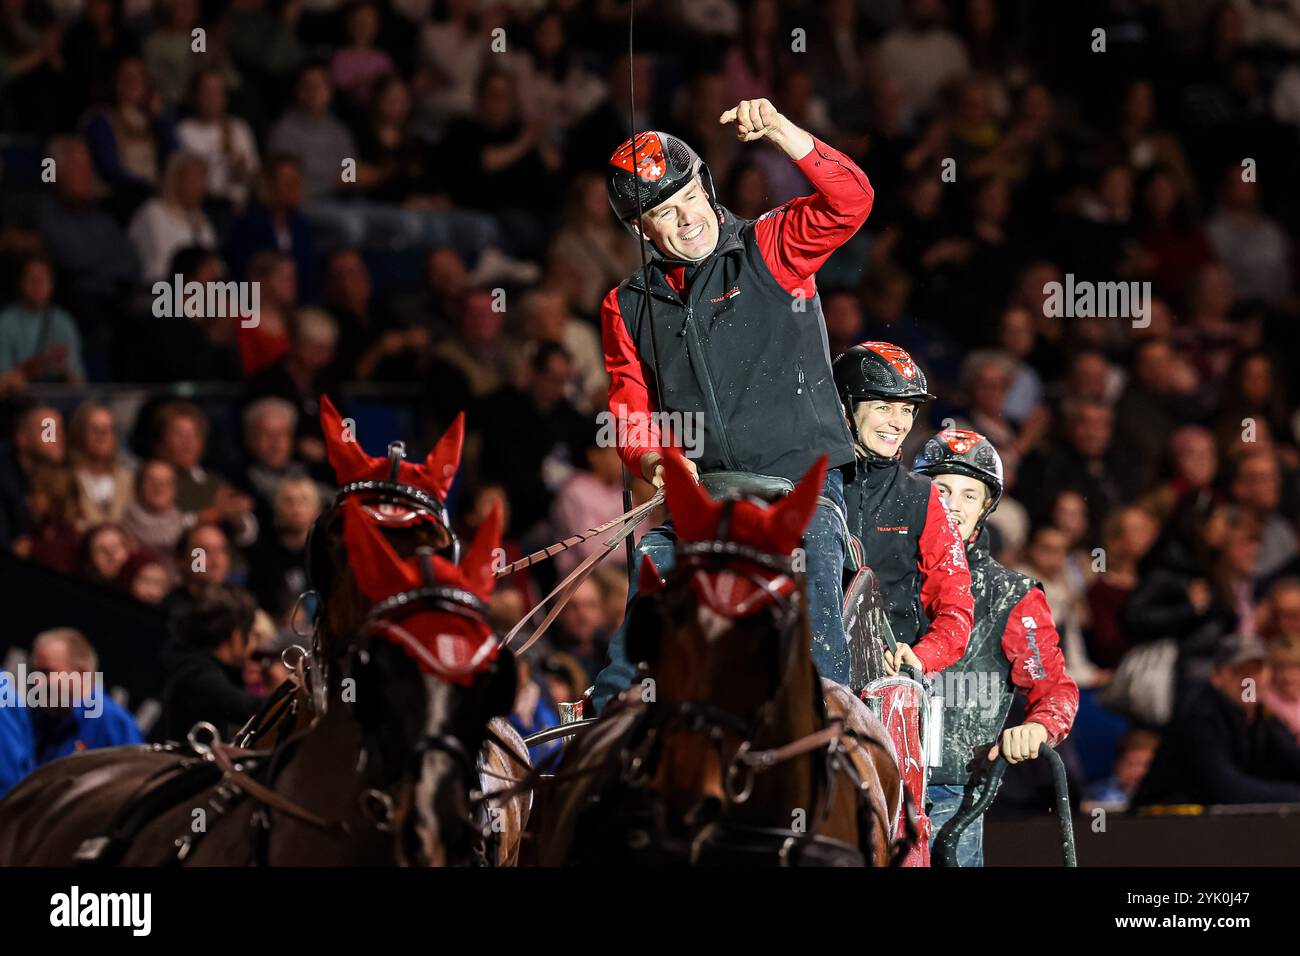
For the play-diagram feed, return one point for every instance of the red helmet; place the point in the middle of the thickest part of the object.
(663, 165)
(960, 451)
(879, 370)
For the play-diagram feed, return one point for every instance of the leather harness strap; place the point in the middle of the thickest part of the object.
(569, 586)
(181, 781)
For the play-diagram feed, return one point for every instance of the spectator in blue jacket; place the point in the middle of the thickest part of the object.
(91, 719)
(275, 223)
(17, 752)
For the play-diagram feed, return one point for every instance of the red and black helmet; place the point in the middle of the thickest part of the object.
(879, 370)
(663, 165)
(960, 451)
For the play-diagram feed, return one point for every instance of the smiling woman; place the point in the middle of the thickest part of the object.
(883, 425)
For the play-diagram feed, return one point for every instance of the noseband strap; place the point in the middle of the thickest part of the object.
(718, 549)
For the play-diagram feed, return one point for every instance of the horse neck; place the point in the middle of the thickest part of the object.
(321, 774)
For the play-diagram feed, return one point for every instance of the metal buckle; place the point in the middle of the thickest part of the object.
(91, 849)
(203, 747)
(734, 772)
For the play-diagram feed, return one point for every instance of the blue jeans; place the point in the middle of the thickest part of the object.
(944, 802)
(825, 548)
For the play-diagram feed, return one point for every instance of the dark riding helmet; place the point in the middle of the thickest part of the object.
(664, 164)
(879, 370)
(960, 451)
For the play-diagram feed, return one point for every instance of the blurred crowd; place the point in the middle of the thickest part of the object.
(416, 188)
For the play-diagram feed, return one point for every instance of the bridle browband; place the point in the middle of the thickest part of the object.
(386, 490)
(390, 489)
(393, 491)
(417, 498)
(445, 598)
(703, 550)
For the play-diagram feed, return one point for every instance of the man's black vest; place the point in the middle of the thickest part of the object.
(886, 507)
(743, 353)
(977, 690)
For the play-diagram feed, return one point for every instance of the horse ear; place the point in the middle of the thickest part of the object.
(648, 578)
(478, 567)
(378, 569)
(792, 513)
(346, 457)
(694, 513)
(443, 460)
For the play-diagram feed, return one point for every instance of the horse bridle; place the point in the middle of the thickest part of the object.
(387, 491)
(320, 572)
(717, 723)
(445, 599)
(377, 803)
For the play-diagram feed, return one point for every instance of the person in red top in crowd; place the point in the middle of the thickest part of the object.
(719, 346)
(1013, 647)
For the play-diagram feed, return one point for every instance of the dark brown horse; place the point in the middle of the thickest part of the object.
(406, 501)
(386, 773)
(731, 750)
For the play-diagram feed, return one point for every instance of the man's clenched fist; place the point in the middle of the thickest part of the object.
(754, 119)
(759, 119)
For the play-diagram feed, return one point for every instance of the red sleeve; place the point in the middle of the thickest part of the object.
(629, 399)
(796, 238)
(1038, 666)
(945, 589)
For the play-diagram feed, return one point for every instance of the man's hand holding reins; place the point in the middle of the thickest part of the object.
(652, 469)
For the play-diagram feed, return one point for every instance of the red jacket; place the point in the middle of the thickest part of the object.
(945, 589)
(1038, 666)
(909, 539)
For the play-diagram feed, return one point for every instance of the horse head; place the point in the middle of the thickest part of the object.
(725, 633)
(406, 499)
(429, 673)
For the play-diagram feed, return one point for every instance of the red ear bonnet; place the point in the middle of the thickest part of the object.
(451, 645)
(350, 463)
(774, 529)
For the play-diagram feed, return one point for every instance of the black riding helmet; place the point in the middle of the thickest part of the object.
(664, 164)
(960, 451)
(878, 370)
